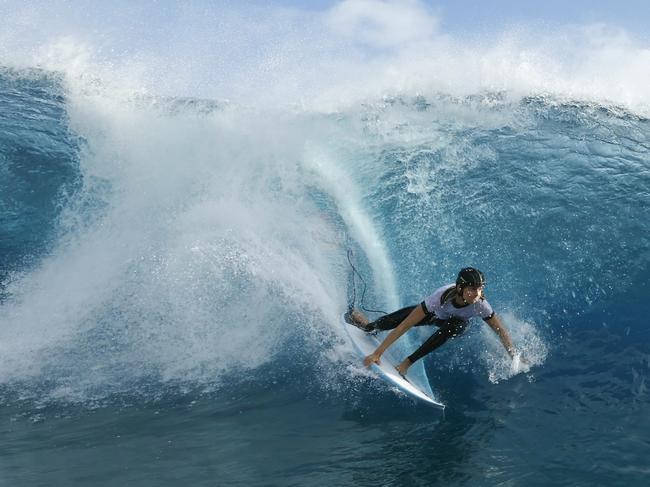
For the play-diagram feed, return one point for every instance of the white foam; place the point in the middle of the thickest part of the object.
(531, 347)
(355, 50)
(203, 254)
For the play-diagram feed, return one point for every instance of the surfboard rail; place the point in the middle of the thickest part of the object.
(366, 343)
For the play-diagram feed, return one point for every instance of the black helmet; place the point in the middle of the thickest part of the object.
(469, 276)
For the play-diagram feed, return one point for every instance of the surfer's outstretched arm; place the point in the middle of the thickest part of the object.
(499, 329)
(413, 318)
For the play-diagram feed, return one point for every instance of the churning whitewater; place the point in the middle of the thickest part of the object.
(181, 233)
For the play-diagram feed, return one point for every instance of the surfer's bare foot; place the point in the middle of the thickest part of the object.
(358, 318)
(404, 367)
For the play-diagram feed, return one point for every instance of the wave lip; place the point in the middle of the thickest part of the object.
(326, 59)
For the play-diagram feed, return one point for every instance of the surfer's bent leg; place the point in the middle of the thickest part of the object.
(392, 320)
(449, 330)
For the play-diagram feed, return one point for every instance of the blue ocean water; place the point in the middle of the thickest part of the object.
(173, 272)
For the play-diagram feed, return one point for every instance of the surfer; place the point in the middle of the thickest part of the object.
(449, 308)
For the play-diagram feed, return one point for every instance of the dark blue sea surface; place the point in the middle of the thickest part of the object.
(173, 271)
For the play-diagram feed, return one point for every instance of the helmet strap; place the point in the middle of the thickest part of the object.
(459, 293)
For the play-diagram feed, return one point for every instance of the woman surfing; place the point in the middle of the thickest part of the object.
(449, 308)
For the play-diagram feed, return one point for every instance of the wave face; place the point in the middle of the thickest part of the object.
(189, 257)
(39, 165)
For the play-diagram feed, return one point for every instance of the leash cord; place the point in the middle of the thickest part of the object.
(354, 289)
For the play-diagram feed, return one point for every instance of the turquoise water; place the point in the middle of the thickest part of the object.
(173, 272)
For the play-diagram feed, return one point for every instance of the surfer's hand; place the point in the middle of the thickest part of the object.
(373, 358)
(518, 357)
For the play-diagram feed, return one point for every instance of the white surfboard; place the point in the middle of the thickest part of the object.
(366, 343)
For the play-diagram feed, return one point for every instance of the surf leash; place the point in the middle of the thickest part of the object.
(354, 288)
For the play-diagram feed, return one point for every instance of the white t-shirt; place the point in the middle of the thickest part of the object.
(448, 309)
